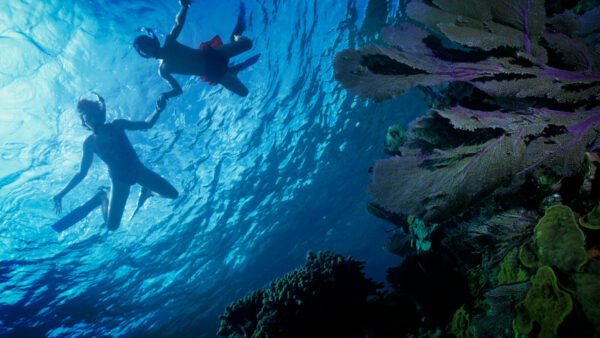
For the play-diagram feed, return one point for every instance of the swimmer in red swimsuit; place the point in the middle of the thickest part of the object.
(110, 143)
(210, 61)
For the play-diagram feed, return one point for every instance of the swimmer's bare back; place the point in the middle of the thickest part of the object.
(210, 63)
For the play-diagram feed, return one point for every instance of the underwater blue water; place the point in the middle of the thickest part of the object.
(262, 179)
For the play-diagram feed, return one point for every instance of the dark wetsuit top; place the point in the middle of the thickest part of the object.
(114, 148)
(208, 62)
(216, 62)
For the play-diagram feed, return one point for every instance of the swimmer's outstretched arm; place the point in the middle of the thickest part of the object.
(139, 125)
(86, 162)
(173, 35)
(175, 87)
(179, 21)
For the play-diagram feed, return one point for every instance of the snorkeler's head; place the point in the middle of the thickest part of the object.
(147, 45)
(91, 112)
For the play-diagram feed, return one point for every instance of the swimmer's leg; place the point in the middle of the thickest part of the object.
(241, 66)
(232, 83)
(152, 181)
(82, 211)
(119, 192)
(232, 49)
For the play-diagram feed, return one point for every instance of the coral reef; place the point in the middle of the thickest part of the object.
(504, 162)
(592, 219)
(545, 304)
(559, 241)
(510, 271)
(567, 277)
(502, 301)
(327, 296)
(461, 327)
(587, 285)
(487, 241)
(533, 109)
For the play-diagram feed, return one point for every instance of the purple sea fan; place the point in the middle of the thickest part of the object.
(536, 111)
(498, 150)
(503, 49)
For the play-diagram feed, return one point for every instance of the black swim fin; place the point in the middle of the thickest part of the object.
(80, 212)
(145, 193)
(241, 66)
(240, 26)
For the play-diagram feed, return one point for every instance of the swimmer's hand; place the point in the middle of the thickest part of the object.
(161, 102)
(185, 3)
(57, 204)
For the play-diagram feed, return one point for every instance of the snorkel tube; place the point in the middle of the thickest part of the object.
(143, 43)
(101, 102)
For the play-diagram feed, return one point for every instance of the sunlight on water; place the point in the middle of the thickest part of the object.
(261, 179)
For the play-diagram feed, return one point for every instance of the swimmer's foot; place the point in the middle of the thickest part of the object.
(240, 26)
(103, 200)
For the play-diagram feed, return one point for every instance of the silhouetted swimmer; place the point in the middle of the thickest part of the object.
(210, 61)
(111, 144)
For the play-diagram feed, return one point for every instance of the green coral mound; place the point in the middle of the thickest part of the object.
(559, 241)
(592, 219)
(326, 297)
(510, 272)
(587, 286)
(460, 326)
(545, 304)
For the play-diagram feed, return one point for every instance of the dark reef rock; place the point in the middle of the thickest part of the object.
(577, 6)
(326, 297)
(435, 282)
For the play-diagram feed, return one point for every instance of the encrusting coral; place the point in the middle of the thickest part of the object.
(545, 304)
(592, 219)
(460, 326)
(510, 271)
(559, 241)
(535, 106)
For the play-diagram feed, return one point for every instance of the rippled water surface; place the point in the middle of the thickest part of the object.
(262, 179)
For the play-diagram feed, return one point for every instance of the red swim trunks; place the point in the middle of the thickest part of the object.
(216, 62)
